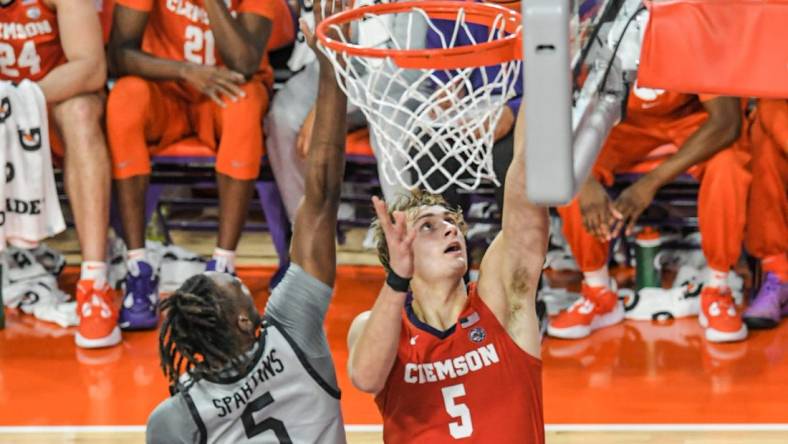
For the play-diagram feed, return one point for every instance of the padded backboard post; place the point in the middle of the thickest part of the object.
(568, 118)
(548, 100)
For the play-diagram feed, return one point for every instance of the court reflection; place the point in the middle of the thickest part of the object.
(641, 371)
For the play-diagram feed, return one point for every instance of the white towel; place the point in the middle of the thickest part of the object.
(28, 286)
(32, 210)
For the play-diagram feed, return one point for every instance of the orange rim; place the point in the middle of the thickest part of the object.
(482, 54)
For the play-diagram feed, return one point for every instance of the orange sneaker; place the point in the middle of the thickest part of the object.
(98, 318)
(719, 316)
(599, 307)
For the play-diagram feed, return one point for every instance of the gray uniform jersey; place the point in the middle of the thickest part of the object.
(291, 393)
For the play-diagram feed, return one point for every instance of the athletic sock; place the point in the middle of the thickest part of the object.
(95, 271)
(777, 264)
(597, 278)
(225, 260)
(136, 255)
(133, 258)
(717, 279)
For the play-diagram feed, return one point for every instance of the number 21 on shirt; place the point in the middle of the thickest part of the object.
(463, 427)
(199, 46)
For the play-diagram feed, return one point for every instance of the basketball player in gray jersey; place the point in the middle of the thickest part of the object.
(236, 378)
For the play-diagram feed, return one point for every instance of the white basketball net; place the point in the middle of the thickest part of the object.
(433, 128)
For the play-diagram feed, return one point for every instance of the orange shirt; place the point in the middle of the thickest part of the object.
(179, 29)
(29, 41)
(646, 105)
(471, 383)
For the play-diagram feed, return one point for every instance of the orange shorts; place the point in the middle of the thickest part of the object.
(722, 198)
(144, 117)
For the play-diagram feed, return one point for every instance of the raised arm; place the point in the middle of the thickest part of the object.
(80, 35)
(511, 267)
(241, 41)
(314, 231)
(719, 131)
(374, 335)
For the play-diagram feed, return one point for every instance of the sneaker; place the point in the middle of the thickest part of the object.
(141, 298)
(598, 308)
(769, 305)
(98, 318)
(718, 315)
(661, 304)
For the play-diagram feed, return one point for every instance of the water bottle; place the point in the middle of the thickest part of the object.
(647, 245)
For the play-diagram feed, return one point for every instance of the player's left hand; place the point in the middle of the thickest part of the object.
(323, 9)
(631, 203)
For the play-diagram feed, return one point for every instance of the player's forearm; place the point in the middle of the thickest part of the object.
(74, 78)
(326, 158)
(134, 62)
(240, 51)
(518, 212)
(773, 114)
(708, 140)
(373, 354)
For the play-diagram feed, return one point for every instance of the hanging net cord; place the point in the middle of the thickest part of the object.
(433, 128)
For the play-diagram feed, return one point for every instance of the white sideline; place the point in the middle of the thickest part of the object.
(377, 428)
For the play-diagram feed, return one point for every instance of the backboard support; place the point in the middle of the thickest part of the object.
(575, 86)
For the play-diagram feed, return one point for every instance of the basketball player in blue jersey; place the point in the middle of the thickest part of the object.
(237, 378)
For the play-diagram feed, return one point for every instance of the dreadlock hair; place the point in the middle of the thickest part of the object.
(409, 204)
(197, 335)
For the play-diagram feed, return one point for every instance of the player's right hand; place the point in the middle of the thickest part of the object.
(399, 238)
(597, 210)
(215, 82)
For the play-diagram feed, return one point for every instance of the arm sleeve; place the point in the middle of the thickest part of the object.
(264, 8)
(139, 5)
(299, 304)
(171, 423)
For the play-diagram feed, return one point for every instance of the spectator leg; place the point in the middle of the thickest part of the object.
(289, 109)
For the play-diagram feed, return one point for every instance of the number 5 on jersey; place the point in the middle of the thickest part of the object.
(464, 427)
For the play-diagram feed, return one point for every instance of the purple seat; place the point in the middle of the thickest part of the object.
(190, 162)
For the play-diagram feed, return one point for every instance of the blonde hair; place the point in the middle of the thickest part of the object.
(407, 204)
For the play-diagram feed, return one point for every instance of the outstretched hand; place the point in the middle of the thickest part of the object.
(399, 238)
(322, 9)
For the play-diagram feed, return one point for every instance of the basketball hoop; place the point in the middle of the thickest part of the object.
(431, 111)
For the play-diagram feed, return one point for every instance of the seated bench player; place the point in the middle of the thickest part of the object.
(65, 57)
(767, 212)
(186, 68)
(707, 131)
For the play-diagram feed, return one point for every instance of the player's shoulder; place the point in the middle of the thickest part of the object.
(171, 422)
